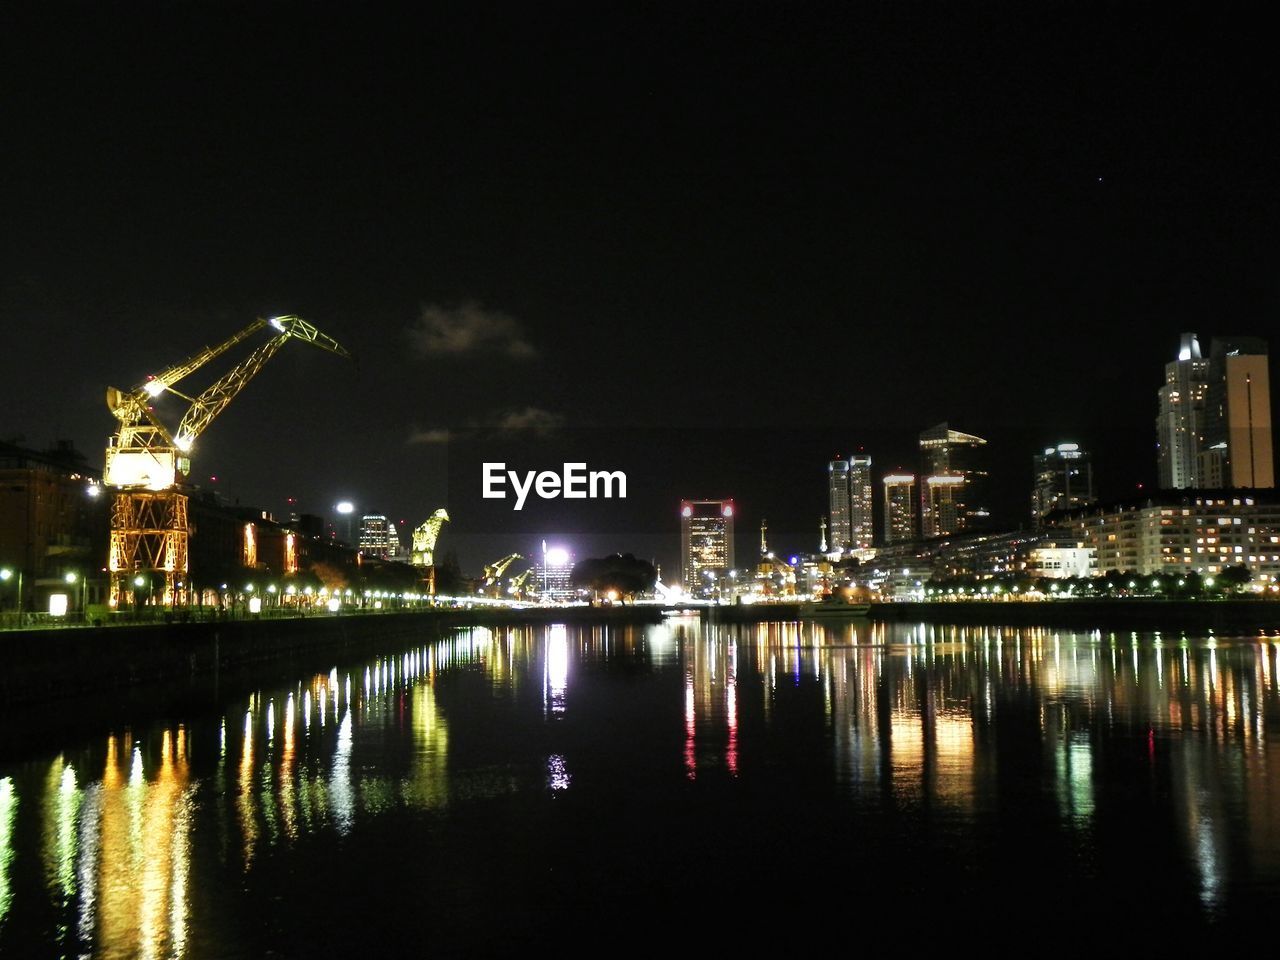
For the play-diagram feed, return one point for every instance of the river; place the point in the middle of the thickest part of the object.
(567, 788)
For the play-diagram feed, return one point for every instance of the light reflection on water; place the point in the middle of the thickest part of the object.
(108, 838)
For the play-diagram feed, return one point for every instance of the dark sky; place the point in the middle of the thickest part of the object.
(776, 231)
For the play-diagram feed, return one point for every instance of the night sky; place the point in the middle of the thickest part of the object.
(718, 243)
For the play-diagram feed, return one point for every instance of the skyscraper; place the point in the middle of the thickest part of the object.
(378, 537)
(953, 485)
(861, 495)
(706, 544)
(899, 507)
(840, 533)
(1063, 479)
(1237, 449)
(1180, 423)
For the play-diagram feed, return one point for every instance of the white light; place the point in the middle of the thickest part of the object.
(182, 443)
(255, 604)
(275, 322)
(57, 605)
(153, 387)
(557, 557)
(335, 605)
(346, 506)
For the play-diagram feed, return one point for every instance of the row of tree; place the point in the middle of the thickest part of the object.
(1112, 583)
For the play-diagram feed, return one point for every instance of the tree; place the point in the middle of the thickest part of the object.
(449, 579)
(1231, 579)
(622, 573)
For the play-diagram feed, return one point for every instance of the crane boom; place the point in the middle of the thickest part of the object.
(216, 397)
(493, 572)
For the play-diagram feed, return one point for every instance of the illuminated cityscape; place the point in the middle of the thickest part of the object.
(474, 482)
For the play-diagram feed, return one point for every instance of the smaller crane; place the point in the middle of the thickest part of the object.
(425, 536)
(493, 572)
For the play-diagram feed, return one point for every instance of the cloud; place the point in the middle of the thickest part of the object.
(434, 435)
(532, 419)
(468, 328)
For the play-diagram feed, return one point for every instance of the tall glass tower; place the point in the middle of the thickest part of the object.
(840, 533)
(1181, 422)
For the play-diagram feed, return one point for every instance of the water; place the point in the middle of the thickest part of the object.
(575, 788)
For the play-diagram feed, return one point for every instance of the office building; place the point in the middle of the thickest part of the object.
(861, 497)
(378, 537)
(1063, 480)
(1237, 448)
(953, 482)
(840, 532)
(552, 575)
(706, 544)
(1181, 421)
(899, 507)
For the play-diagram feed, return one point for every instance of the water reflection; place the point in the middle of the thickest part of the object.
(963, 726)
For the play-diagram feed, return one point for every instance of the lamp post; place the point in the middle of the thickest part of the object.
(6, 574)
(71, 577)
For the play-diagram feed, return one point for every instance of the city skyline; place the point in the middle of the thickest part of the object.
(502, 249)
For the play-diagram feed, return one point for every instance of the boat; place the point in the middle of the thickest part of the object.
(833, 606)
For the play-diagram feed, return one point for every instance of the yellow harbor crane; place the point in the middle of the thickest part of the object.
(493, 571)
(517, 588)
(425, 536)
(149, 530)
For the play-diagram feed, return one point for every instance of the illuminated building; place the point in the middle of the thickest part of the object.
(953, 482)
(1060, 559)
(943, 504)
(1237, 448)
(840, 533)
(1204, 532)
(551, 575)
(899, 507)
(378, 537)
(1063, 480)
(706, 544)
(1180, 423)
(861, 497)
(53, 519)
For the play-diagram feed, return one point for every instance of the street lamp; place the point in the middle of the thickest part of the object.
(346, 508)
(6, 574)
(71, 577)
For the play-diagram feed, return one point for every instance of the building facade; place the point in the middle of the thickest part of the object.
(953, 486)
(54, 520)
(378, 537)
(1063, 480)
(1237, 437)
(899, 507)
(706, 544)
(861, 503)
(840, 530)
(1204, 532)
